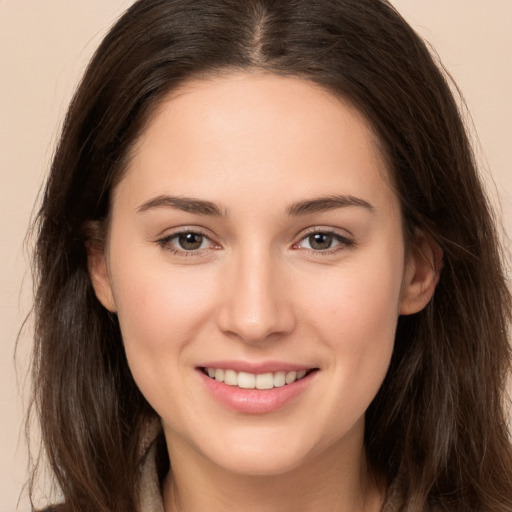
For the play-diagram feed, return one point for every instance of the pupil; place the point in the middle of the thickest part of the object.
(320, 241)
(190, 241)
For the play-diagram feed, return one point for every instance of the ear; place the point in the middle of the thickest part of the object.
(97, 266)
(422, 271)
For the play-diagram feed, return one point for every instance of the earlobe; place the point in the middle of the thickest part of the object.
(98, 271)
(422, 271)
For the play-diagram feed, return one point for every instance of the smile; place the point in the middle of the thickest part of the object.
(246, 380)
(256, 388)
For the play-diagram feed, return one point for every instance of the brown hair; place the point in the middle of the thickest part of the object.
(438, 421)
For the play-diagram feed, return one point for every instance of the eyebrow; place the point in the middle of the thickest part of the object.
(185, 204)
(323, 204)
(202, 207)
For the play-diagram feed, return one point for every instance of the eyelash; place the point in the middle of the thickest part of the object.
(343, 242)
(166, 243)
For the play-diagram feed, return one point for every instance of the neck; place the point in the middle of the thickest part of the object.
(335, 480)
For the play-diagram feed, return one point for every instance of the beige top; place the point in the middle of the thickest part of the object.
(151, 496)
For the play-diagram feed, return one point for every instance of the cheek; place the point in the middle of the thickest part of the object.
(156, 302)
(356, 313)
(151, 312)
(160, 311)
(358, 299)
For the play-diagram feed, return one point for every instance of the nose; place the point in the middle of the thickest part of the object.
(256, 305)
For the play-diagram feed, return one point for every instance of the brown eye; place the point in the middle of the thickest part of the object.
(190, 241)
(320, 241)
(187, 243)
(324, 242)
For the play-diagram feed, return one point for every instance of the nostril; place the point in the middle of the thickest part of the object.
(253, 324)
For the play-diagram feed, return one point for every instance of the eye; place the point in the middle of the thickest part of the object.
(324, 241)
(186, 242)
(190, 241)
(320, 241)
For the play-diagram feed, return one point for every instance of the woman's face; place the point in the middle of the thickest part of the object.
(255, 238)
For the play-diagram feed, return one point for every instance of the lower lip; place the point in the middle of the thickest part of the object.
(256, 401)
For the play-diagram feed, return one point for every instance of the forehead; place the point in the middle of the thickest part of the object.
(239, 131)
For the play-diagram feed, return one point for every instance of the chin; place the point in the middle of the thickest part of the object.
(263, 461)
(264, 451)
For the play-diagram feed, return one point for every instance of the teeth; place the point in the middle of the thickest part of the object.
(247, 380)
(264, 381)
(230, 377)
(291, 377)
(279, 379)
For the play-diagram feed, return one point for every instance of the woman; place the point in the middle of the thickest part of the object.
(268, 277)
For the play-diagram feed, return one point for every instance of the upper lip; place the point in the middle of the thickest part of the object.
(256, 368)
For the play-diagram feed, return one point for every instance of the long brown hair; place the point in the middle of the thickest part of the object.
(438, 422)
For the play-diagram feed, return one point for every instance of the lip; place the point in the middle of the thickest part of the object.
(255, 401)
(262, 367)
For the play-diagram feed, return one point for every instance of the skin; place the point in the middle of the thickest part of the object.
(255, 144)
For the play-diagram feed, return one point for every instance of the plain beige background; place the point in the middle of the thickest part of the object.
(44, 46)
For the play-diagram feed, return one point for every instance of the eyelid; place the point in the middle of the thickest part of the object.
(345, 240)
(165, 241)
